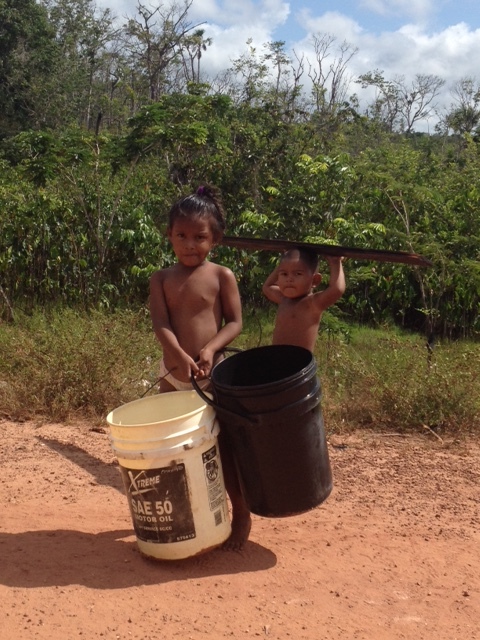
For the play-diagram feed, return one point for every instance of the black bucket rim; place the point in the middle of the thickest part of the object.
(267, 385)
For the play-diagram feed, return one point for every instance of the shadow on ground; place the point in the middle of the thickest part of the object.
(110, 560)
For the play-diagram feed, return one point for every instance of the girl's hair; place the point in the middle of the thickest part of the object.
(205, 203)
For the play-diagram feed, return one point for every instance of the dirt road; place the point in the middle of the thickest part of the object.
(393, 553)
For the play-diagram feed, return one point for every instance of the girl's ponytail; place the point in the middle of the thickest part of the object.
(205, 202)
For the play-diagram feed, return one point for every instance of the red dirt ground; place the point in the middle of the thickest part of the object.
(393, 553)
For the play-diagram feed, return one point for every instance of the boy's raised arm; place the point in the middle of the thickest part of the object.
(336, 285)
(270, 288)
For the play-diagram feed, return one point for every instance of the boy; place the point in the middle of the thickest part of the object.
(299, 308)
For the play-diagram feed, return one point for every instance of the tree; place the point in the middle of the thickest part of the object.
(464, 114)
(285, 89)
(268, 79)
(250, 72)
(84, 35)
(155, 41)
(86, 229)
(329, 76)
(399, 105)
(191, 54)
(28, 55)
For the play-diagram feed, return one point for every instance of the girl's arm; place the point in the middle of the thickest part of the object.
(162, 327)
(232, 317)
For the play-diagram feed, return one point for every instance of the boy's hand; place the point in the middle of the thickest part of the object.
(334, 260)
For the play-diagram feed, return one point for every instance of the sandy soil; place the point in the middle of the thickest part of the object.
(392, 553)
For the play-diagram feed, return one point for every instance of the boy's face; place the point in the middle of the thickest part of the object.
(192, 240)
(295, 278)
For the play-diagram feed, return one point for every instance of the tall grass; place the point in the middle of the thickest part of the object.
(67, 365)
(63, 364)
(386, 380)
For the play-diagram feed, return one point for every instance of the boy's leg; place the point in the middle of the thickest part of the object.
(241, 518)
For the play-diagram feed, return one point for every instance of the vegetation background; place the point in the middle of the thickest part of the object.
(103, 125)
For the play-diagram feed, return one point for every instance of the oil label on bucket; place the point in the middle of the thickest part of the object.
(160, 504)
(213, 479)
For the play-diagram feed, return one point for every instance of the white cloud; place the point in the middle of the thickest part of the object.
(451, 53)
(229, 44)
(266, 14)
(417, 9)
(232, 23)
(330, 22)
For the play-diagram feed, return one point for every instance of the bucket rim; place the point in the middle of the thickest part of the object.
(277, 384)
(177, 451)
(183, 416)
(176, 434)
(207, 428)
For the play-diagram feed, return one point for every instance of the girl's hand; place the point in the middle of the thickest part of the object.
(185, 368)
(205, 363)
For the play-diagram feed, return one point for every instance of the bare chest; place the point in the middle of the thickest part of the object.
(296, 312)
(193, 292)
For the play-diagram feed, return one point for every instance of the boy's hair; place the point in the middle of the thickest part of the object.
(206, 203)
(307, 256)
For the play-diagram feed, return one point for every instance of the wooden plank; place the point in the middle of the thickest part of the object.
(378, 255)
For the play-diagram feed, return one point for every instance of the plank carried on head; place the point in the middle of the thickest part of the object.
(379, 255)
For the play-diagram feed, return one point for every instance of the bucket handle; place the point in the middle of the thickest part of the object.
(218, 408)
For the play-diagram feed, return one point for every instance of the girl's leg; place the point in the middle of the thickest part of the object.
(241, 518)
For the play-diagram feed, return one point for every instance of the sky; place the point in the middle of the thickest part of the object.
(397, 37)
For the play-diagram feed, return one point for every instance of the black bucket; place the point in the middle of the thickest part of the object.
(267, 402)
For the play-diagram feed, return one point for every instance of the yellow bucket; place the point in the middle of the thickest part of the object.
(167, 449)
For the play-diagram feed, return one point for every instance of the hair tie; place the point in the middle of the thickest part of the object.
(201, 191)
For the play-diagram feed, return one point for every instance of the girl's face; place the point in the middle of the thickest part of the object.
(295, 279)
(192, 240)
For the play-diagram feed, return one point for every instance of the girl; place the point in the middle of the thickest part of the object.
(196, 311)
